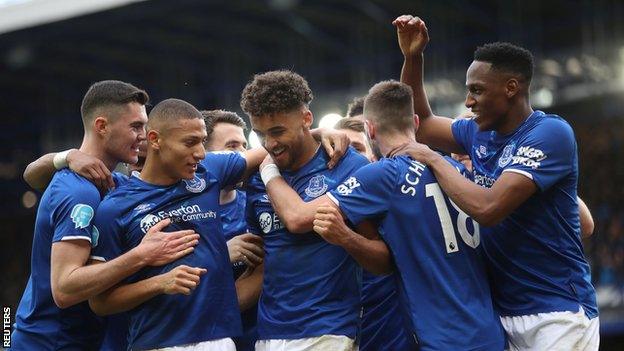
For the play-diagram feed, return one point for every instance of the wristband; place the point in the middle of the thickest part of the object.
(60, 159)
(268, 172)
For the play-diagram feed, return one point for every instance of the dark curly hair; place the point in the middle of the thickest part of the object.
(275, 92)
(507, 57)
(356, 107)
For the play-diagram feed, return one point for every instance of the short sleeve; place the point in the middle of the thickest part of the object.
(75, 206)
(227, 166)
(464, 131)
(546, 154)
(367, 192)
(253, 197)
(107, 226)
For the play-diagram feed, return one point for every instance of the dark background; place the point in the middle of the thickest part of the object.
(206, 51)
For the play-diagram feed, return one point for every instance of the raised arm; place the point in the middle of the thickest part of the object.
(73, 281)
(434, 130)
(180, 280)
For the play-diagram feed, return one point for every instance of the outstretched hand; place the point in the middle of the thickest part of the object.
(412, 34)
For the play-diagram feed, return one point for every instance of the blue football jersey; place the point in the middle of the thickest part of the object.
(441, 279)
(310, 288)
(534, 256)
(234, 223)
(233, 216)
(65, 212)
(126, 214)
(383, 319)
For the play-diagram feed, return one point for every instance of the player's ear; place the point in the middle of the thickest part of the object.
(153, 139)
(100, 125)
(370, 129)
(512, 87)
(416, 122)
(308, 118)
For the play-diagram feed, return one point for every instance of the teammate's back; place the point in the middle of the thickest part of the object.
(442, 280)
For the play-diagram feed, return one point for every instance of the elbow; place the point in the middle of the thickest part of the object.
(63, 300)
(488, 216)
(31, 181)
(587, 229)
(97, 308)
(385, 269)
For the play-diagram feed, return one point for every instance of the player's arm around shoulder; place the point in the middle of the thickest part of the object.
(39, 173)
(488, 206)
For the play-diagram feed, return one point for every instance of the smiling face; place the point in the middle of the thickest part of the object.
(126, 132)
(226, 136)
(180, 147)
(284, 136)
(487, 96)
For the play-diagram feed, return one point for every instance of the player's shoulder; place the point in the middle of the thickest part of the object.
(67, 182)
(550, 126)
(458, 166)
(352, 160)
(386, 167)
(118, 199)
(220, 157)
(120, 178)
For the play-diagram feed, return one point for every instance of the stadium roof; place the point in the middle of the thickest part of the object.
(19, 14)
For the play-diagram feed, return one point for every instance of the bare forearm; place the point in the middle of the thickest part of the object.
(125, 297)
(471, 198)
(88, 281)
(412, 75)
(488, 206)
(248, 288)
(372, 255)
(296, 214)
(254, 158)
(39, 173)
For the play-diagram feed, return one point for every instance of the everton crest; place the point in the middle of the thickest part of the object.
(195, 185)
(506, 156)
(317, 186)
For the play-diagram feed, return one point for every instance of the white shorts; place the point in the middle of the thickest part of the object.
(319, 343)
(552, 331)
(225, 344)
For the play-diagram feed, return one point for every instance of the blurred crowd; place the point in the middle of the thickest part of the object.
(601, 171)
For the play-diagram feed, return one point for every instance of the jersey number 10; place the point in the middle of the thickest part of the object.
(450, 238)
